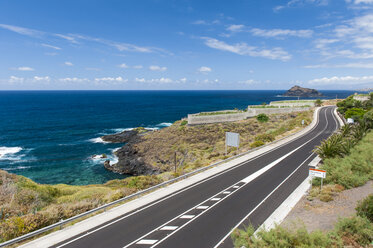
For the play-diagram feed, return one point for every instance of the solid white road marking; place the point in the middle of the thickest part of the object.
(168, 228)
(187, 216)
(147, 241)
(202, 207)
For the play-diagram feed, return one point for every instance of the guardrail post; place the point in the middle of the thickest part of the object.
(61, 225)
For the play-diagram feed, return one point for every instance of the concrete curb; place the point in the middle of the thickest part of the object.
(133, 205)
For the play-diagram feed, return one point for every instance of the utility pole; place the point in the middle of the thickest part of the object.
(175, 163)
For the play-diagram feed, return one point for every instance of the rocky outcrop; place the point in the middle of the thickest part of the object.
(123, 137)
(129, 160)
(302, 92)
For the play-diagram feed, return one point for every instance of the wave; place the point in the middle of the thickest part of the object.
(16, 168)
(164, 124)
(98, 140)
(98, 159)
(10, 153)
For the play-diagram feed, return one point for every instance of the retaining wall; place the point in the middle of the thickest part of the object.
(361, 98)
(270, 111)
(194, 119)
(293, 104)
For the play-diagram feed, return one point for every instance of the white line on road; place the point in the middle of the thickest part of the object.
(202, 207)
(187, 216)
(169, 228)
(147, 242)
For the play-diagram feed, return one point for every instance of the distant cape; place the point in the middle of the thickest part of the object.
(302, 92)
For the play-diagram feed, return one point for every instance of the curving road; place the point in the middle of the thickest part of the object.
(203, 214)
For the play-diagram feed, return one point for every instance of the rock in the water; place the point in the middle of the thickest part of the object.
(302, 92)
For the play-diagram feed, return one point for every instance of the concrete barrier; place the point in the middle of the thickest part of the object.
(270, 111)
(195, 119)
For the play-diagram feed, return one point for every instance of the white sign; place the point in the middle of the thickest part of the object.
(350, 120)
(232, 139)
(317, 173)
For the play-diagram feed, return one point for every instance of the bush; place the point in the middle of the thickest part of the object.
(262, 118)
(265, 137)
(256, 143)
(318, 102)
(365, 208)
(355, 113)
(356, 231)
(183, 123)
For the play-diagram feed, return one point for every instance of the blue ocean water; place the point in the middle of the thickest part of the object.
(51, 136)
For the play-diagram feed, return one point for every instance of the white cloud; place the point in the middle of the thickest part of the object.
(25, 68)
(138, 67)
(297, 3)
(111, 79)
(248, 82)
(204, 69)
(203, 22)
(183, 80)
(270, 33)
(346, 80)
(23, 31)
(140, 80)
(363, 1)
(14, 79)
(124, 66)
(73, 80)
(68, 38)
(236, 28)
(349, 65)
(50, 46)
(68, 63)
(38, 79)
(244, 49)
(157, 68)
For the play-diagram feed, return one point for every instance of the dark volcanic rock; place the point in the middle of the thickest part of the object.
(129, 162)
(302, 92)
(123, 137)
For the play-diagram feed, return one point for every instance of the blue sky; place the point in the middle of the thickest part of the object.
(180, 44)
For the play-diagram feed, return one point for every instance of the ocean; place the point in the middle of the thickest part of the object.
(53, 136)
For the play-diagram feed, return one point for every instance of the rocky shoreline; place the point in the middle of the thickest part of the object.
(130, 162)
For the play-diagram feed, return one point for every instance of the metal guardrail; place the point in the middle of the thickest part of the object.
(104, 207)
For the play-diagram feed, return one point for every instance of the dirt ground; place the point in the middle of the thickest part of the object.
(323, 215)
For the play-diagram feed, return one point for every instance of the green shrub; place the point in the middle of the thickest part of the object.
(318, 102)
(262, 118)
(183, 123)
(365, 208)
(256, 143)
(355, 113)
(355, 230)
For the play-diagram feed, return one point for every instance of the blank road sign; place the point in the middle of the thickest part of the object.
(232, 139)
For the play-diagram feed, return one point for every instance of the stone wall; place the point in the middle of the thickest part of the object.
(293, 104)
(361, 98)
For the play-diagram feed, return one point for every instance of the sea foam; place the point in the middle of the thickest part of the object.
(9, 153)
(98, 140)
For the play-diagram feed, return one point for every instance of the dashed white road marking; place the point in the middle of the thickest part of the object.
(147, 241)
(236, 187)
(215, 199)
(187, 216)
(202, 207)
(226, 192)
(169, 228)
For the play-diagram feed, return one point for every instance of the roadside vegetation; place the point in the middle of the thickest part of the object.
(26, 206)
(355, 231)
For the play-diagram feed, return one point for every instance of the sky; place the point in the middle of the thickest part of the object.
(185, 44)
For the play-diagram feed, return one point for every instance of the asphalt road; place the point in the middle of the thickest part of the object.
(204, 214)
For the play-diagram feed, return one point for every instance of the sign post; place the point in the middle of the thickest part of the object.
(231, 139)
(318, 173)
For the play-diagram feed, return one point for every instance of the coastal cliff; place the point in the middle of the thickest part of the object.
(302, 92)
